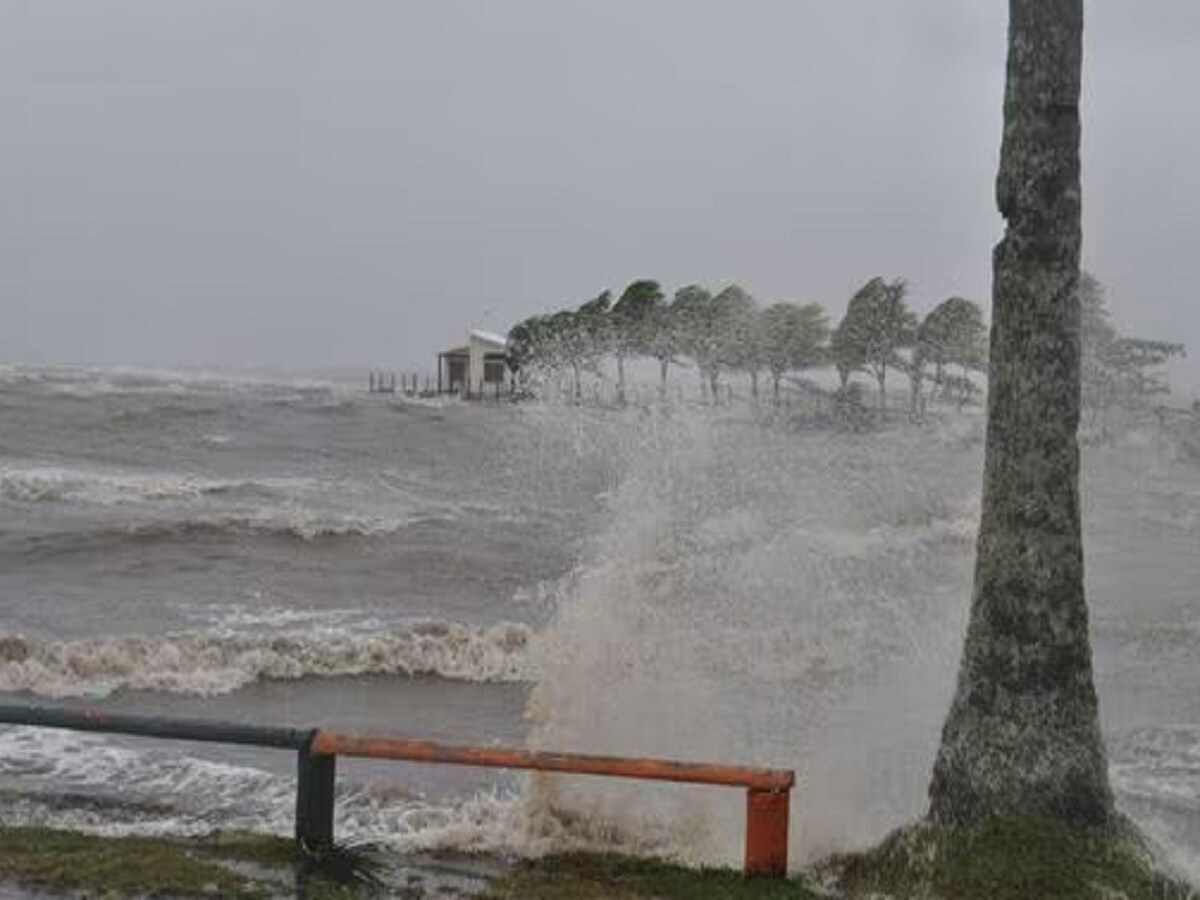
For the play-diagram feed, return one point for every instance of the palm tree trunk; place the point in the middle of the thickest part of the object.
(1022, 737)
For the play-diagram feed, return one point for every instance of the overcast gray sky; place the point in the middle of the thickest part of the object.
(301, 183)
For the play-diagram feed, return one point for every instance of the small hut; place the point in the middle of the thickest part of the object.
(476, 370)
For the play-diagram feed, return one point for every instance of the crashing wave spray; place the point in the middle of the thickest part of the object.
(770, 598)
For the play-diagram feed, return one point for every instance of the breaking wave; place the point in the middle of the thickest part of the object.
(52, 484)
(208, 663)
(93, 784)
(297, 522)
(770, 599)
(88, 383)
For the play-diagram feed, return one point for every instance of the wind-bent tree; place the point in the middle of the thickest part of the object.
(576, 339)
(736, 334)
(1117, 370)
(952, 333)
(696, 322)
(1023, 737)
(793, 338)
(876, 325)
(847, 350)
(527, 346)
(632, 318)
(890, 326)
(662, 338)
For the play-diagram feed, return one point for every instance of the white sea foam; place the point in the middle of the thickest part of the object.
(88, 383)
(94, 784)
(288, 520)
(40, 483)
(209, 663)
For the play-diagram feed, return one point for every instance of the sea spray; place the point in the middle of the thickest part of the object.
(762, 597)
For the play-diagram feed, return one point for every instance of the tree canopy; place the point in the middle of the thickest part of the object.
(729, 332)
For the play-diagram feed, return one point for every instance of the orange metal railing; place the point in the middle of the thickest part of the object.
(768, 791)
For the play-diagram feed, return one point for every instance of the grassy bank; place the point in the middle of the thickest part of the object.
(234, 866)
(587, 877)
(1005, 860)
(251, 866)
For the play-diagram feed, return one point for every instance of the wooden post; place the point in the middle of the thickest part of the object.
(314, 799)
(766, 833)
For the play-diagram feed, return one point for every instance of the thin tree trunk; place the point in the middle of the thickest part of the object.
(754, 383)
(1022, 736)
(620, 377)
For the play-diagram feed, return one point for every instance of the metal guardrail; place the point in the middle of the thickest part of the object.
(156, 726)
(768, 791)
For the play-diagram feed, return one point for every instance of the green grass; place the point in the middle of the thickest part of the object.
(243, 866)
(589, 877)
(61, 860)
(1007, 859)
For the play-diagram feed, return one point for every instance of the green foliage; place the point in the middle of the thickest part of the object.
(876, 325)
(952, 334)
(727, 332)
(736, 327)
(1117, 371)
(1006, 859)
(633, 323)
(793, 337)
(696, 321)
(528, 345)
(633, 315)
(588, 877)
(569, 339)
(661, 336)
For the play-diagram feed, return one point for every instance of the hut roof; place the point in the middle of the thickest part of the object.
(489, 338)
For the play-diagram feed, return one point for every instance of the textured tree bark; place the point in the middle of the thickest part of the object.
(1022, 736)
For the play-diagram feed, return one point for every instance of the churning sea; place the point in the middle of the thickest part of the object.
(673, 580)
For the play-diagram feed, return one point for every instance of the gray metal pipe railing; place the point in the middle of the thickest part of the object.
(178, 728)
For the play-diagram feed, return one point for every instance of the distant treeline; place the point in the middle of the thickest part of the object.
(730, 332)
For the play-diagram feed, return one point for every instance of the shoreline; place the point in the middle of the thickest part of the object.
(1010, 859)
(41, 863)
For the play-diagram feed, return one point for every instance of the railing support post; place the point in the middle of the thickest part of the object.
(767, 833)
(314, 799)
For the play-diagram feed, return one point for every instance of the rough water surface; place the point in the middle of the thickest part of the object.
(682, 582)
